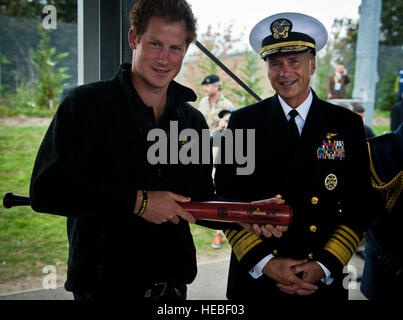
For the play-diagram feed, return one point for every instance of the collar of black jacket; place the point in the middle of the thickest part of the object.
(177, 94)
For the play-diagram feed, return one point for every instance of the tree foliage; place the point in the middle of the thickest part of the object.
(50, 76)
(66, 9)
(385, 94)
(324, 68)
(219, 41)
(391, 53)
(248, 73)
(392, 22)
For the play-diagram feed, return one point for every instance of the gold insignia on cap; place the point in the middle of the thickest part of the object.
(331, 135)
(331, 182)
(280, 28)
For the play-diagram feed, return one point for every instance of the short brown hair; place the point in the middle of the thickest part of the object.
(171, 10)
(357, 107)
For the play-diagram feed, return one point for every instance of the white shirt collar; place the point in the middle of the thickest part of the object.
(302, 109)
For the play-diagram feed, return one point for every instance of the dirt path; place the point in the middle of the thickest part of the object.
(381, 121)
(24, 121)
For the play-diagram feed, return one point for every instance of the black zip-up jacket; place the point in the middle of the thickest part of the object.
(89, 167)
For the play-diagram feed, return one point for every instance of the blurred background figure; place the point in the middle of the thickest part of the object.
(399, 85)
(336, 84)
(214, 101)
(359, 109)
(396, 116)
(223, 116)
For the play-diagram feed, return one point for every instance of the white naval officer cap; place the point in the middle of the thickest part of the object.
(288, 32)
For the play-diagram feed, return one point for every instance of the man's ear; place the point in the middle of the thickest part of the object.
(132, 39)
(313, 65)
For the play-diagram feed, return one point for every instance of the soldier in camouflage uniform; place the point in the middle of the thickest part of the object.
(214, 101)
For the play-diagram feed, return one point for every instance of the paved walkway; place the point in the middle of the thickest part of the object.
(210, 284)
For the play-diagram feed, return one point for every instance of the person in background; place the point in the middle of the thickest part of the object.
(214, 101)
(336, 83)
(360, 110)
(396, 115)
(224, 116)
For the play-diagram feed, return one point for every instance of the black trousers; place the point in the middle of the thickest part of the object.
(173, 292)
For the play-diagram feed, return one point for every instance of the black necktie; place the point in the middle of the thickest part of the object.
(294, 132)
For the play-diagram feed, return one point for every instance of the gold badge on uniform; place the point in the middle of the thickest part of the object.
(331, 182)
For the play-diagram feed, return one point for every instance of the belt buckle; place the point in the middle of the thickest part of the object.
(157, 290)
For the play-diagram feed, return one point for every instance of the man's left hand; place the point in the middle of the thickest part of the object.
(311, 272)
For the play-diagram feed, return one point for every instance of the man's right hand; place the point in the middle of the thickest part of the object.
(267, 230)
(281, 271)
(162, 206)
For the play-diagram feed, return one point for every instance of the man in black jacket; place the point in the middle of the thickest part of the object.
(311, 154)
(128, 236)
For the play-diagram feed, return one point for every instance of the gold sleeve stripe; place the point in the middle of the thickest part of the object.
(243, 247)
(230, 233)
(241, 241)
(346, 250)
(351, 233)
(344, 239)
(335, 253)
(239, 238)
(338, 250)
(234, 235)
(253, 244)
(342, 244)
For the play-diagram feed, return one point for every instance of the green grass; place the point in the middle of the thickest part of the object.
(381, 114)
(380, 129)
(17, 105)
(29, 240)
(202, 238)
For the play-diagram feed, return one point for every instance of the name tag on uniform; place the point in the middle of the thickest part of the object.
(331, 150)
